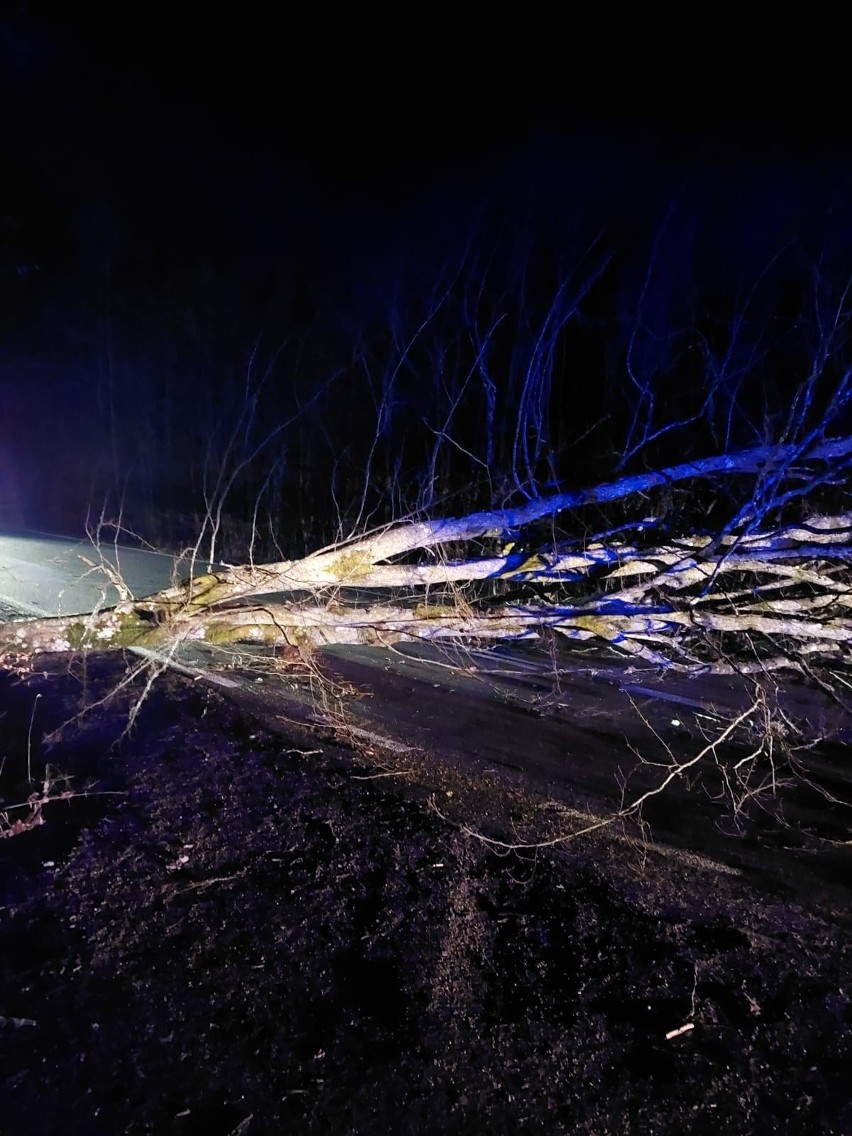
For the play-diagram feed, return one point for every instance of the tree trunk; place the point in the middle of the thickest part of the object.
(742, 598)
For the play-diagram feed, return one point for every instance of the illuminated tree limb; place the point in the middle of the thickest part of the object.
(788, 588)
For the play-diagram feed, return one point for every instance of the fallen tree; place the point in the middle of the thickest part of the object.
(715, 535)
(749, 597)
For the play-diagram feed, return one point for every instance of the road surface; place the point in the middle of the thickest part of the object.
(477, 728)
(48, 575)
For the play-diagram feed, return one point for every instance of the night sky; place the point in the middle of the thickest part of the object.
(171, 118)
(180, 185)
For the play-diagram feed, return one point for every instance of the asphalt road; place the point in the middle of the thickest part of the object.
(477, 733)
(479, 728)
(48, 575)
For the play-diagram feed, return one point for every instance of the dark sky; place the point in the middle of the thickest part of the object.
(179, 179)
(190, 126)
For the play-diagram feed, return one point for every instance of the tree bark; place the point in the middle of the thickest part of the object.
(733, 600)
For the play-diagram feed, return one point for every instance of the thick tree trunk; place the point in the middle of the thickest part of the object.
(740, 599)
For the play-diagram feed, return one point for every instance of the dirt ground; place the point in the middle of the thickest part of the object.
(245, 927)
